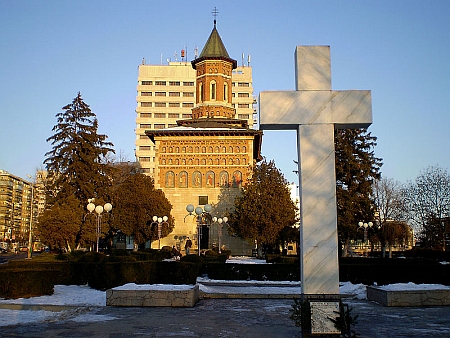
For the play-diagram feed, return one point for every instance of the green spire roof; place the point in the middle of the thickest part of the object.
(214, 49)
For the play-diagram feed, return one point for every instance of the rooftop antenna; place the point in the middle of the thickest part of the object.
(243, 59)
(248, 60)
(215, 12)
(195, 52)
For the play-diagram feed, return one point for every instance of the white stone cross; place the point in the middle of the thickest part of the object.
(315, 111)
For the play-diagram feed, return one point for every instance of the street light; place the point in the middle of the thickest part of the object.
(202, 214)
(159, 221)
(221, 222)
(30, 231)
(365, 226)
(99, 210)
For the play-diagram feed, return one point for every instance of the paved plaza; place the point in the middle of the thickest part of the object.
(229, 318)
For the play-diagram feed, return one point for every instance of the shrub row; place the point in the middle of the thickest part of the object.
(260, 272)
(28, 278)
(389, 271)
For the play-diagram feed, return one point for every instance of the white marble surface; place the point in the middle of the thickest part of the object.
(287, 109)
(312, 68)
(314, 110)
(318, 233)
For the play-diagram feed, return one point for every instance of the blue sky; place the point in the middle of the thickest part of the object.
(50, 50)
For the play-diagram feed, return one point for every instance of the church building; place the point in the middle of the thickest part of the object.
(206, 158)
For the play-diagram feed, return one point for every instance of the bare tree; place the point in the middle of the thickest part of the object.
(428, 203)
(390, 213)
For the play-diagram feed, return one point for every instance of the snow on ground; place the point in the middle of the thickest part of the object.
(412, 286)
(83, 300)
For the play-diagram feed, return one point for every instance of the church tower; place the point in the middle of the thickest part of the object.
(213, 70)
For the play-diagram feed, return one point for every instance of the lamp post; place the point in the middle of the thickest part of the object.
(221, 222)
(99, 210)
(365, 226)
(160, 221)
(202, 214)
(30, 231)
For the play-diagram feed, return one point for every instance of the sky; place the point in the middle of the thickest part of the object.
(50, 50)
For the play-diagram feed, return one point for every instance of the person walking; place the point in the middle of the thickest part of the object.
(188, 246)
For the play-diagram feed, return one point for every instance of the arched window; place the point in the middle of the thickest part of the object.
(225, 91)
(170, 179)
(200, 90)
(212, 88)
(223, 179)
(210, 179)
(237, 179)
(197, 179)
(183, 179)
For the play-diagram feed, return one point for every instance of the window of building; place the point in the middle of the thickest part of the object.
(243, 116)
(146, 104)
(243, 105)
(188, 84)
(174, 83)
(243, 94)
(160, 104)
(146, 83)
(171, 125)
(174, 104)
(145, 170)
(186, 116)
(174, 94)
(200, 90)
(212, 90)
(145, 148)
(225, 91)
(142, 137)
(146, 93)
(145, 114)
(160, 115)
(188, 104)
(145, 126)
(159, 126)
(144, 159)
(160, 83)
(173, 115)
(188, 94)
(243, 84)
(160, 93)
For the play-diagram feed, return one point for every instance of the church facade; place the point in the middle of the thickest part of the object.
(206, 157)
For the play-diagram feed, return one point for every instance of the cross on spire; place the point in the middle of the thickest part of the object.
(215, 12)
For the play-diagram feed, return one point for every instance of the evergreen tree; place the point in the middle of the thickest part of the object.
(264, 208)
(76, 165)
(136, 201)
(356, 169)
